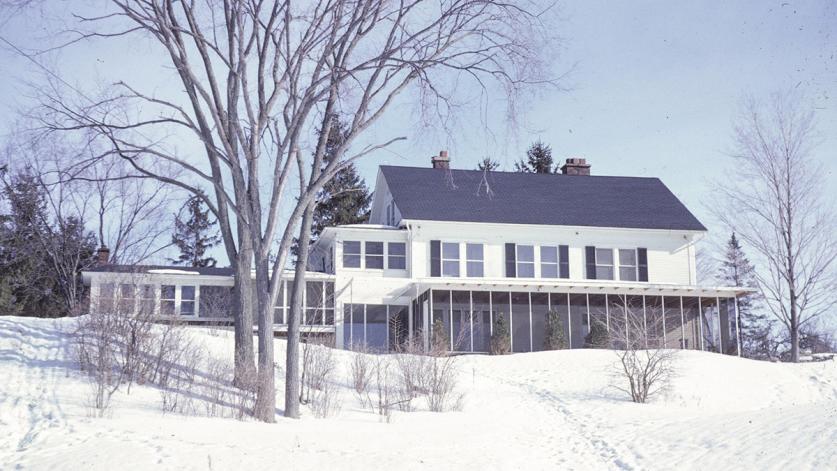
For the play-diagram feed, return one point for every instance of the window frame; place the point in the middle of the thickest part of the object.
(172, 300)
(367, 255)
(613, 266)
(557, 262)
(183, 301)
(359, 255)
(457, 260)
(389, 255)
(635, 265)
(518, 262)
(469, 260)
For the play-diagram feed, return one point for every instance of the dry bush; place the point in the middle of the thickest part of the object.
(360, 372)
(441, 377)
(317, 381)
(641, 372)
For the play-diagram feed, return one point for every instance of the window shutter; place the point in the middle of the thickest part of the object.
(563, 261)
(590, 259)
(642, 262)
(511, 264)
(435, 258)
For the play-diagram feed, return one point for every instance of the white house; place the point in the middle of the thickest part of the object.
(464, 247)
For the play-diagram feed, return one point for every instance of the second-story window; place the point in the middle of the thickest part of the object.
(604, 264)
(396, 255)
(525, 261)
(474, 260)
(374, 255)
(351, 254)
(549, 262)
(450, 259)
(627, 265)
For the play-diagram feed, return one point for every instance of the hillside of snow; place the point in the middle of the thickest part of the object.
(548, 410)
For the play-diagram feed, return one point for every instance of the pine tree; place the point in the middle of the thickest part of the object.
(755, 327)
(488, 165)
(554, 339)
(345, 199)
(500, 343)
(538, 160)
(194, 234)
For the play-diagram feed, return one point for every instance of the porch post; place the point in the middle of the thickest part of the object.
(569, 322)
(682, 326)
(737, 327)
(645, 321)
(700, 321)
(663, 310)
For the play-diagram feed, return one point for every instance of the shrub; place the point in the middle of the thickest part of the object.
(554, 339)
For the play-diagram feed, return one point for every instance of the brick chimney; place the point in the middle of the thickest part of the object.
(440, 161)
(103, 255)
(576, 166)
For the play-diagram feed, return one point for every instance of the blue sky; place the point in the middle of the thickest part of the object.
(653, 89)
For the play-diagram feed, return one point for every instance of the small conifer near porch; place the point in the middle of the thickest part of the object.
(554, 338)
(598, 336)
(500, 343)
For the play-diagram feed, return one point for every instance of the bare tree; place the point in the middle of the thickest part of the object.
(773, 198)
(260, 77)
(643, 369)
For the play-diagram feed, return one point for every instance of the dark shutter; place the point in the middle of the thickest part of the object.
(642, 260)
(511, 264)
(435, 258)
(563, 261)
(590, 259)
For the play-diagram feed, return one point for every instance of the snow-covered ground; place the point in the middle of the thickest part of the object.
(551, 410)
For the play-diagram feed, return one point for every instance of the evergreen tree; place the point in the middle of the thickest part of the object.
(500, 343)
(345, 198)
(755, 327)
(488, 165)
(194, 234)
(554, 339)
(538, 160)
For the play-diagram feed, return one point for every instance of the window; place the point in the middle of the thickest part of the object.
(187, 300)
(474, 260)
(351, 254)
(107, 295)
(450, 259)
(167, 300)
(627, 265)
(396, 255)
(147, 299)
(525, 261)
(375, 255)
(314, 303)
(604, 264)
(280, 307)
(127, 296)
(549, 262)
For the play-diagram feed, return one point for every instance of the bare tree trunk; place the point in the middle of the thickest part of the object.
(295, 314)
(245, 363)
(265, 408)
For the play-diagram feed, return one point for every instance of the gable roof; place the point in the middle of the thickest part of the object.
(542, 199)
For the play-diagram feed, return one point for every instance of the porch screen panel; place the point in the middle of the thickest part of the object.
(440, 323)
(314, 306)
(729, 333)
(540, 311)
(674, 322)
(500, 308)
(637, 333)
(691, 319)
(654, 321)
(398, 327)
(560, 306)
(616, 319)
(376, 327)
(461, 321)
(578, 319)
(598, 336)
(216, 301)
(521, 340)
(353, 331)
(482, 320)
(710, 324)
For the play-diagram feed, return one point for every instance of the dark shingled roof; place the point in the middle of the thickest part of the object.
(207, 271)
(526, 198)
